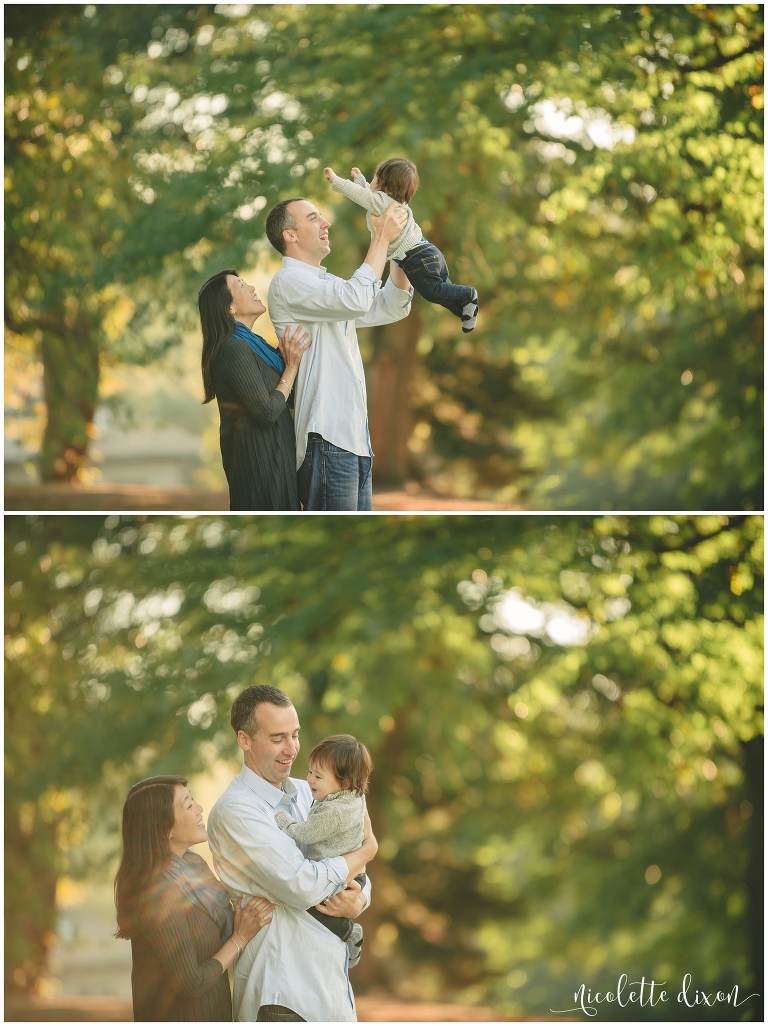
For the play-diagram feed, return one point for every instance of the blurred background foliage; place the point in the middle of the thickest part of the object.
(565, 716)
(596, 171)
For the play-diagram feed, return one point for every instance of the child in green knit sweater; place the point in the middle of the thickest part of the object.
(395, 181)
(339, 768)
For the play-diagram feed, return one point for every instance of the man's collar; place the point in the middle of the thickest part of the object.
(261, 787)
(294, 264)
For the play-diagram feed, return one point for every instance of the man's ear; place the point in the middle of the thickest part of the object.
(244, 740)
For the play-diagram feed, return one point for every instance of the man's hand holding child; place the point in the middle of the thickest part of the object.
(347, 904)
(389, 224)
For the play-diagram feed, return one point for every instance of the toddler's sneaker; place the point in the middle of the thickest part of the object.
(469, 313)
(354, 944)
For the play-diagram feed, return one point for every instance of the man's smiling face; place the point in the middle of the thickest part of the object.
(308, 241)
(274, 744)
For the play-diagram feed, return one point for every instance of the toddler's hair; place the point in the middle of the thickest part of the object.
(399, 178)
(347, 758)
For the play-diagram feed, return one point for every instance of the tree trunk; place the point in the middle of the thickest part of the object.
(70, 355)
(374, 974)
(755, 789)
(30, 895)
(394, 364)
(370, 974)
(390, 409)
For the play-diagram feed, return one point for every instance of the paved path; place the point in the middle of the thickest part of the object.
(112, 497)
(401, 502)
(73, 1008)
(118, 498)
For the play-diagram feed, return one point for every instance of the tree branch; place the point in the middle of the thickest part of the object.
(689, 546)
(722, 60)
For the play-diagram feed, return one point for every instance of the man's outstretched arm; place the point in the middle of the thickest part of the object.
(398, 276)
(392, 303)
(304, 298)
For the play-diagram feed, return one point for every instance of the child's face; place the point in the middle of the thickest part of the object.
(322, 782)
(375, 187)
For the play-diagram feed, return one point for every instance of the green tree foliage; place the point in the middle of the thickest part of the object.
(565, 717)
(70, 192)
(596, 171)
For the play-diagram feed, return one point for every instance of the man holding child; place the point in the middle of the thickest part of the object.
(333, 445)
(295, 970)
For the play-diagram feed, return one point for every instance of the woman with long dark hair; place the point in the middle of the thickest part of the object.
(176, 914)
(252, 383)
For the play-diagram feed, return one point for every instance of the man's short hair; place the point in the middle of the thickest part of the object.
(243, 708)
(278, 219)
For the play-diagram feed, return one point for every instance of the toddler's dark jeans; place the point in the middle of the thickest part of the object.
(428, 273)
(340, 927)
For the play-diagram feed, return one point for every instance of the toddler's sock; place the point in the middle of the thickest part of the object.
(354, 944)
(469, 313)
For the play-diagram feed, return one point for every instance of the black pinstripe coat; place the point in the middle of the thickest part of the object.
(174, 976)
(258, 444)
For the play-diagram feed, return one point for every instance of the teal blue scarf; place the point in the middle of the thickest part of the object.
(260, 347)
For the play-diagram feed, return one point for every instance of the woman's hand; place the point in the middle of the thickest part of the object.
(251, 918)
(293, 347)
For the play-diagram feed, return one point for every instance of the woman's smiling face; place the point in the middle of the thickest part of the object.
(245, 302)
(188, 828)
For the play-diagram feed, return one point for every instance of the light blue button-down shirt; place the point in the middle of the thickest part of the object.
(294, 961)
(330, 386)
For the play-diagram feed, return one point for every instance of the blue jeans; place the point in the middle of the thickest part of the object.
(331, 478)
(428, 273)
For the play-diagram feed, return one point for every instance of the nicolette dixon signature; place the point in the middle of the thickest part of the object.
(648, 994)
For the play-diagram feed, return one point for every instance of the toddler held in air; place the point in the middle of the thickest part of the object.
(395, 181)
(339, 768)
